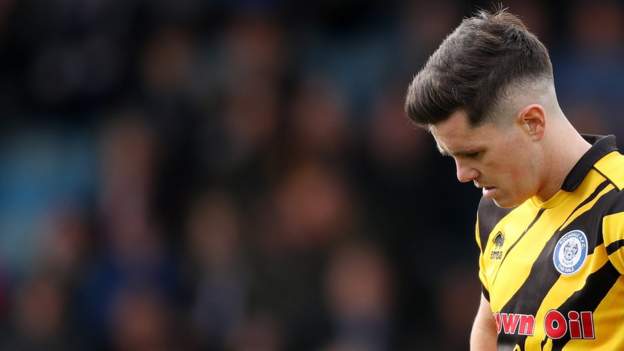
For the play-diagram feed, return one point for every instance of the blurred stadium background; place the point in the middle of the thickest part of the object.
(239, 175)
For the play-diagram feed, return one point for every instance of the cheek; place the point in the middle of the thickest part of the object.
(513, 173)
(523, 175)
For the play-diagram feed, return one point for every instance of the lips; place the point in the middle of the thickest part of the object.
(481, 186)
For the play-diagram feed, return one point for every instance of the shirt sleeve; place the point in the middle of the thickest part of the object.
(484, 285)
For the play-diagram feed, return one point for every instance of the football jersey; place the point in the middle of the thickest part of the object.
(552, 271)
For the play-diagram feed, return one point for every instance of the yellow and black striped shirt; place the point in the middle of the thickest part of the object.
(552, 271)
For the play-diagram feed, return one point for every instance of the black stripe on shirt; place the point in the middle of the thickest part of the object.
(614, 246)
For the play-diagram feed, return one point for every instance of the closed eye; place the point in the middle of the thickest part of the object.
(470, 155)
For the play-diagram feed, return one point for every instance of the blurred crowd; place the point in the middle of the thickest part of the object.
(240, 175)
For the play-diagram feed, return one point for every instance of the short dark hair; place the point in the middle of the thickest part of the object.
(473, 65)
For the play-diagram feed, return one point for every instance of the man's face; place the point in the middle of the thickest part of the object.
(501, 160)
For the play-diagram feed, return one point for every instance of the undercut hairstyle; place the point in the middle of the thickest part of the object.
(472, 68)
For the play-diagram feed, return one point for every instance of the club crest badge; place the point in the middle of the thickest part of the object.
(570, 252)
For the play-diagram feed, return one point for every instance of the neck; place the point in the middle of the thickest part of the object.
(562, 159)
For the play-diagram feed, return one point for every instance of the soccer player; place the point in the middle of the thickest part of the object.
(550, 224)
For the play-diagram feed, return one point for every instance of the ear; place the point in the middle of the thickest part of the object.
(532, 119)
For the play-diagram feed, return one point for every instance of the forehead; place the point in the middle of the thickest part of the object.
(456, 135)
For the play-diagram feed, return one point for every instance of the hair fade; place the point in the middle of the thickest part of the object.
(473, 65)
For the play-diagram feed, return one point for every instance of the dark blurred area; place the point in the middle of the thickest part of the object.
(240, 175)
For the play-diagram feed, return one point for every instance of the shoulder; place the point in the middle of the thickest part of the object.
(611, 167)
(612, 220)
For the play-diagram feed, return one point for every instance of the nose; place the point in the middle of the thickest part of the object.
(465, 173)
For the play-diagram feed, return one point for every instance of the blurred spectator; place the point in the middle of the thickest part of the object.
(423, 24)
(142, 321)
(589, 69)
(252, 50)
(40, 319)
(319, 119)
(358, 285)
(457, 295)
(213, 246)
(313, 209)
(133, 253)
(395, 144)
(127, 157)
(167, 65)
(260, 332)
(349, 68)
(170, 102)
(65, 244)
(250, 119)
(310, 209)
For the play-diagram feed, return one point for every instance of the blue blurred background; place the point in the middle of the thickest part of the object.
(240, 175)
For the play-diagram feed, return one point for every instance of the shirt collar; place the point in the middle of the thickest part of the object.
(601, 146)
